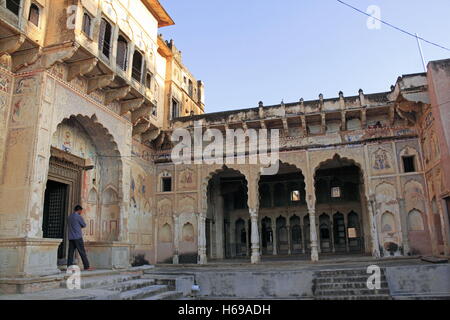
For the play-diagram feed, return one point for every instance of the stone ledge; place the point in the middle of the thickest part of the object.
(8, 242)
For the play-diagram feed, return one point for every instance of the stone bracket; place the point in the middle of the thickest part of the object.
(142, 112)
(131, 105)
(116, 94)
(151, 135)
(80, 68)
(48, 56)
(99, 82)
(140, 128)
(11, 44)
(25, 58)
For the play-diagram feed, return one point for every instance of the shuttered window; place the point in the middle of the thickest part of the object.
(138, 63)
(13, 6)
(122, 53)
(87, 21)
(104, 42)
(33, 17)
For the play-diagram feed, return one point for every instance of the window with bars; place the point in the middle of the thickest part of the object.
(148, 80)
(122, 53)
(34, 14)
(87, 24)
(175, 109)
(191, 88)
(14, 6)
(138, 66)
(104, 42)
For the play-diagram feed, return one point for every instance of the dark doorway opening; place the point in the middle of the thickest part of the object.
(55, 212)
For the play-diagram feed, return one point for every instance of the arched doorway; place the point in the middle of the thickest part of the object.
(339, 186)
(85, 168)
(228, 229)
(282, 199)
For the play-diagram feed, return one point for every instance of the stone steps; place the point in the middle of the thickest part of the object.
(168, 295)
(348, 284)
(343, 279)
(126, 286)
(102, 281)
(130, 285)
(145, 292)
(364, 297)
(352, 292)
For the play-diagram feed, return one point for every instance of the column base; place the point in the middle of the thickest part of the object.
(176, 259)
(256, 258)
(314, 255)
(108, 254)
(202, 259)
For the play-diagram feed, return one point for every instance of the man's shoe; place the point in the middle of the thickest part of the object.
(89, 269)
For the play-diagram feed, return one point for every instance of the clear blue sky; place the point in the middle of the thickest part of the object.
(251, 50)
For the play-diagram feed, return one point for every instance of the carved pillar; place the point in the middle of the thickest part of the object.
(260, 225)
(313, 230)
(373, 229)
(274, 237)
(202, 239)
(256, 256)
(176, 240)
(248, 238)
(404, 226)
(347, 247)
(288, 230)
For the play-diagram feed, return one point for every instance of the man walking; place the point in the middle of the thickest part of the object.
(75, 224)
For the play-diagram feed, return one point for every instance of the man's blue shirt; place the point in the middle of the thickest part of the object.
(75, 224)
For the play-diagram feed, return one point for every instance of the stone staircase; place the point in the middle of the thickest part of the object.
(131, 287)
(109, 285)
(348, 284)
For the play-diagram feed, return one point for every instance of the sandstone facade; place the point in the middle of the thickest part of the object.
(89, 98)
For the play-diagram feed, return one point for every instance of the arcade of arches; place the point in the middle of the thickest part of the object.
(283, 220)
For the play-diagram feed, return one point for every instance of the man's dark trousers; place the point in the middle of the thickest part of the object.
(79, 245)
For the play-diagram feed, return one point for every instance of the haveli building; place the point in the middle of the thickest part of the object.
(89, 96)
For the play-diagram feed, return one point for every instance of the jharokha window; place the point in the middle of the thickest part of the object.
(122, 53)
(87, 23)
(104, 43)
(33, 16)
(14, 6)
(138, 66)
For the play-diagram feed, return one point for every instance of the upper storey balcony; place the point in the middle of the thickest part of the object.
(111, 45)
(335, 121)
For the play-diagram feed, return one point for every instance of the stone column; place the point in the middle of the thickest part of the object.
(256, 255)
(347, 247)
(288, 229)
(373, 229)
(333, 249)
(404, 226)
(233, 239)
(202, 239)
(248, 237)
(274, 236)
(313, 230)
(260, 225)
(176, 240)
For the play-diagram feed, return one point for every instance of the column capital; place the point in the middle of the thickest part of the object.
(253, 212)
